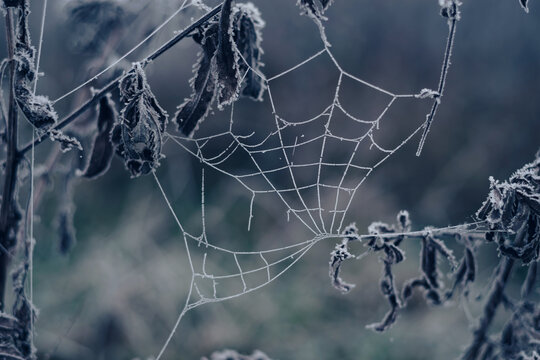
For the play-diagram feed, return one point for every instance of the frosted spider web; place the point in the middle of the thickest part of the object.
(290, 163)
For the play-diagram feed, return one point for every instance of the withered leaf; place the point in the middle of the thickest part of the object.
(230, 49)
(247, 37)
(102, 150)
(37, 109)
(137, 136)
(226, 59)
(388, 289)
(196, 108)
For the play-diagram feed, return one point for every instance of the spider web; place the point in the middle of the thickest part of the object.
(291, 161)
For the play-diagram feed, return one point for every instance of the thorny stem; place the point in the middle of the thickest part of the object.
(495, 298)
(442, 82)
(7, 211)
(111, 85)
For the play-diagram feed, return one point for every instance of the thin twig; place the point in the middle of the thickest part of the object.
(442, 82)
(111, 86)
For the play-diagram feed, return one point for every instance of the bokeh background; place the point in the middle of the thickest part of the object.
(117, 293)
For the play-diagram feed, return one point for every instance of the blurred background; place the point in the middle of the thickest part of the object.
(118, 291)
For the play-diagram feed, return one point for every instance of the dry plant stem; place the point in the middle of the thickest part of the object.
(112, 85)
(12, 161)
(495, 297)
(442, 83)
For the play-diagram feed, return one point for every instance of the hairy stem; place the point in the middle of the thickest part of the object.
(495, 297)
(112, 85)
(7, 210)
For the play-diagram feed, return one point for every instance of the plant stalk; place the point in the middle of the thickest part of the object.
(8, 216)
(495, 298)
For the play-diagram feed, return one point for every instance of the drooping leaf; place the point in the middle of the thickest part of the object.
(388, 289)
(226, 60)
(247, 37)
(197, 107)
(428, 262)
(37, 109)
(471, 265)
(102, 150)
(228, 66)
(137, 136)
(339, 255)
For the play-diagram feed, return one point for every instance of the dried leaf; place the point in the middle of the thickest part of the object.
(102, 151)
(225, 61)
(196, 108)
(37, 109)
(231, 52)
(470, 263)
(247, 37)
(429, 263)
(388, 288)
(137, 137)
